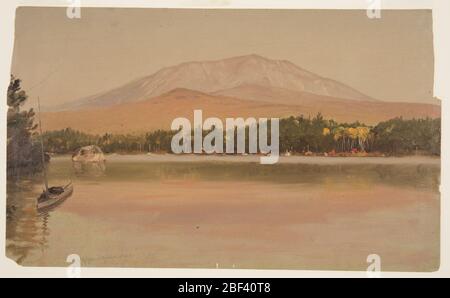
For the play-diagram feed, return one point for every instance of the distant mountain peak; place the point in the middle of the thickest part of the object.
(213, 76)
(248, 57)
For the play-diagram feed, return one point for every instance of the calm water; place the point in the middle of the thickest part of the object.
(231, 215)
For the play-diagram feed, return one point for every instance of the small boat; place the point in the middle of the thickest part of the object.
(53, 197)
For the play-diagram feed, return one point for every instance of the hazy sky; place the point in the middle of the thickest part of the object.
(62, 59)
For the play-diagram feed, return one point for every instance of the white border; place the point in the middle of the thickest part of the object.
(441, 18)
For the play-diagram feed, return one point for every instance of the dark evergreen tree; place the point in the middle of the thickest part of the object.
(23, 156)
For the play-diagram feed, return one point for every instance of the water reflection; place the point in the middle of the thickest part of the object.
(89, 169)
(26, 230)
(44, 229)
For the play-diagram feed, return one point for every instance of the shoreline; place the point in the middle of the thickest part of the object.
(319, 160)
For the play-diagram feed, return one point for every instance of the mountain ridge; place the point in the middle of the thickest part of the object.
(213, 75)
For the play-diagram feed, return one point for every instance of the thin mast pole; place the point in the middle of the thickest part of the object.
(42, 146)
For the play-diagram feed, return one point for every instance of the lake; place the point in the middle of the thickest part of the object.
(170, 212)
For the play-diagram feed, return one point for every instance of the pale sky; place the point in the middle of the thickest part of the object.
(62, 59)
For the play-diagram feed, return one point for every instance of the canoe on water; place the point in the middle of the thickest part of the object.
(53, 197)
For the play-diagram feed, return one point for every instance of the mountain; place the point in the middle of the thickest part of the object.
(159, 112)
(245, 86)
(220, 75)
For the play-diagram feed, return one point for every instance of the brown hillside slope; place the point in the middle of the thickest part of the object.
(159, 112)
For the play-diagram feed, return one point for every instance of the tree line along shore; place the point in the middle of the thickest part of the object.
(297, 136)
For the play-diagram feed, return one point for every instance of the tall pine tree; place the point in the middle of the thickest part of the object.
(23, 157)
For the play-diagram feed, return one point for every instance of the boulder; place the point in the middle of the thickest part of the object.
(90, 153)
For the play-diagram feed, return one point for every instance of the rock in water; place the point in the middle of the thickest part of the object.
(90, 153)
